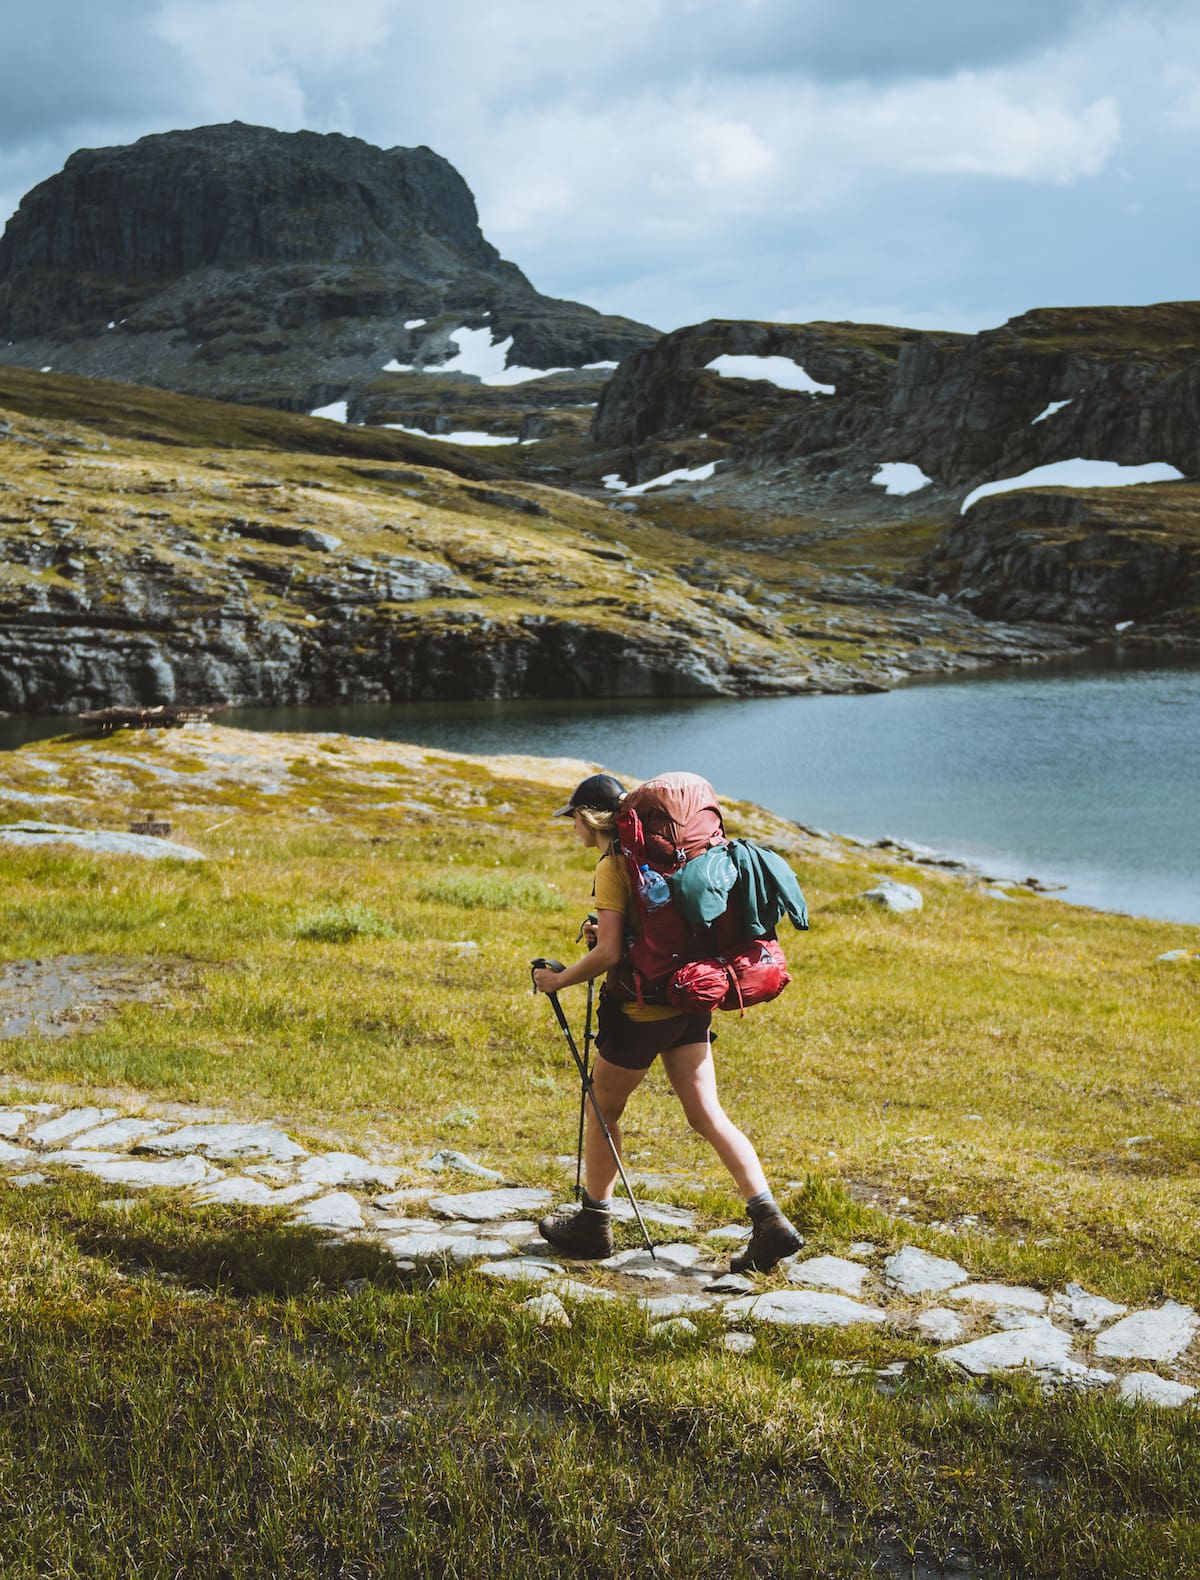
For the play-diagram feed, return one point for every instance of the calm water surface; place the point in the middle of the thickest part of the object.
(1082, 775)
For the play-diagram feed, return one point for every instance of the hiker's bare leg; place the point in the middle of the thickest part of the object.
(691, 1072)
(612, 1085)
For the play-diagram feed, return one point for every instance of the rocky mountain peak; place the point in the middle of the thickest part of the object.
(232, 195)
(292, 269)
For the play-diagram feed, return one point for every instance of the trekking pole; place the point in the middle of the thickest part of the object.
(556, 965)
(590, 920)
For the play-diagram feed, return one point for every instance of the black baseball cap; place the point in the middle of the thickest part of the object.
(598, 792)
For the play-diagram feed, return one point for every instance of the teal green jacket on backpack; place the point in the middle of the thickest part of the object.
(766, 885)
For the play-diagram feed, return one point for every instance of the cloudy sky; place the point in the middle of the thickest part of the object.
(939, 163)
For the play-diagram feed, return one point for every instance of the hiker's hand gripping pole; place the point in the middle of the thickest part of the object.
(585, 1078)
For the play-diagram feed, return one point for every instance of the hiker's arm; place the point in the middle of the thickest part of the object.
(610, 945)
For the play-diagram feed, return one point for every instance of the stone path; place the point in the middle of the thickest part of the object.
(1067, 1339)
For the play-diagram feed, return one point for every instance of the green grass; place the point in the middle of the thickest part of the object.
(201, 1393)
(339, 924)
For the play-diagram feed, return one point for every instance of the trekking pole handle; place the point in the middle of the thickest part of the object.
(541, 964)
(590, 920)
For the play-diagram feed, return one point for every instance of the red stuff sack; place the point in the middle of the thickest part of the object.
(754, 975)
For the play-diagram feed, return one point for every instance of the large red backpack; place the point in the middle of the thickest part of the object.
(662, 825)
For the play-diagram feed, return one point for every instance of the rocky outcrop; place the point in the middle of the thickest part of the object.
(286, 269)
(1094, 557)
(1112, 384)
(50, 664)
(963, 408)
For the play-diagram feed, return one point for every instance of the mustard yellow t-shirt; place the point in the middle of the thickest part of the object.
(614, 892)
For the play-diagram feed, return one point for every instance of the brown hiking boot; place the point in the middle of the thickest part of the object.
(585, 1233)
(772, 1238)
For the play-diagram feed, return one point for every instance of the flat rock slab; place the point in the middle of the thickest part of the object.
(941, 1325)
(176, 1173)
(730, 1231)
(803, 1308)
(654, 1212)
(12, 1122)
(829, 1272)
(661, 1307)
(227, 1143)
(1160, 1335)
(102, 842)
(517, 1268)
(1038, 1346)
(1014, 1317)
(447, 1158)
(80, 1159)
(71, 1123)
(120, 1133)
(665, 1263)
(484, 1206)
(1091, 1312)
(338, 1210)
(458, 1247)
(238, 1190)
(916, 1272)
(1009, 1295)
(65, 994)
(344, 1168)
(572, 1289)
(13, 1154)
(731, 1284)
(1149, 1388)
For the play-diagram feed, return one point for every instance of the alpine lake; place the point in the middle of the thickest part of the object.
(1082, 774)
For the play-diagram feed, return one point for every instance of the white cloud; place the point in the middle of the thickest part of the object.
(728, 153)
(679, 159)
(982, 125)
(256, 61)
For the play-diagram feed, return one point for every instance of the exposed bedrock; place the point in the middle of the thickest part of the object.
(1101, 557)
(963, 408)
(56, 666)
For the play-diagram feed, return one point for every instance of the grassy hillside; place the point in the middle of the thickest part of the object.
(122, 508)
(199, 1393)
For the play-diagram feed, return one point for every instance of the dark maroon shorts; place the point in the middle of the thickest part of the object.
(635, 1044)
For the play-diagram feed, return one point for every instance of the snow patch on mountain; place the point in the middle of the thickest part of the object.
(901, 477)
(1077, 473)
(783, 372)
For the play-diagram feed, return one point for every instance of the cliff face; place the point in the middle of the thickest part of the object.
(285, 269)
(1111, 384)
(227, 196)
(963, 408)
(1098, 557)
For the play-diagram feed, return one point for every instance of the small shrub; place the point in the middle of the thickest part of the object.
(339, 924)
(491, 892)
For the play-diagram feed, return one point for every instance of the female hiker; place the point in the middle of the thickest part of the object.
(630, 1036)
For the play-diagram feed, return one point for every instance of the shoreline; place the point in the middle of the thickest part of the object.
(988, 876)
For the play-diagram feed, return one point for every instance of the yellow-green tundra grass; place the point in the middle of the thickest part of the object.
(198, 1392)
